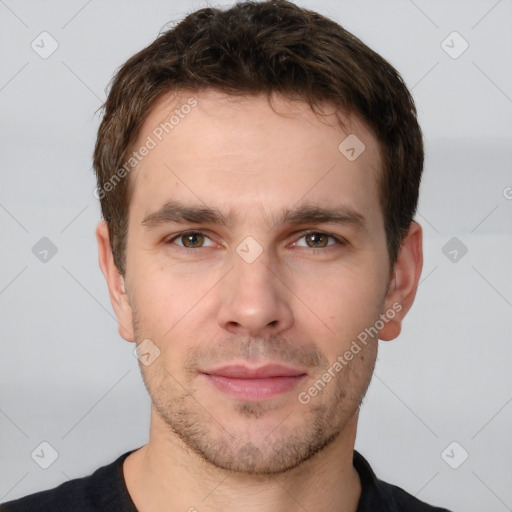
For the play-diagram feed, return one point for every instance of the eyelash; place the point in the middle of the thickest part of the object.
(339, 240)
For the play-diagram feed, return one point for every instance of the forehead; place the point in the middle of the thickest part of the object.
(238, 153)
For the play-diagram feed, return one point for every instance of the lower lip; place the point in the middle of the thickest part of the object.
(255, 389)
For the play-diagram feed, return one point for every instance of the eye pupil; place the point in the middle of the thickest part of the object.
(315, 235)
(191, 237)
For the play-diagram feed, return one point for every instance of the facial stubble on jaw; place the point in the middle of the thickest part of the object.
(281, 449)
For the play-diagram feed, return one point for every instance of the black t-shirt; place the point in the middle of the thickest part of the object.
(105, 490)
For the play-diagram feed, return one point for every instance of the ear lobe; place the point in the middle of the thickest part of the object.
(404, 283)
(115, 282)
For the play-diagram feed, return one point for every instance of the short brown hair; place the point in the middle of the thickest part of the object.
(257, 48)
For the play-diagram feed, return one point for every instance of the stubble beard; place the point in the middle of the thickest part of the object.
(296, 437)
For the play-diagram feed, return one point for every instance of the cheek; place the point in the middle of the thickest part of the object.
(343, 304)
(165, 298)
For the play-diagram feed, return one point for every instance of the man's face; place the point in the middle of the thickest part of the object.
(256, 291)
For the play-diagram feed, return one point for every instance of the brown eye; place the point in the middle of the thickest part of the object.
(317, 240)
(192, 240)
(189, 240)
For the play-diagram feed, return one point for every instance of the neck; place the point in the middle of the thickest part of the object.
(167, 475)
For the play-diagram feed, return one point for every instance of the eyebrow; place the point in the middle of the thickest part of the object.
(174, 212)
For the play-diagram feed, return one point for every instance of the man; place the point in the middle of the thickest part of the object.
(258, 171)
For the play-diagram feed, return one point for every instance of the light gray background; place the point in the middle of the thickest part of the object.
(67, 378)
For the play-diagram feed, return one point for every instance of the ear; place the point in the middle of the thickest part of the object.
(115, 283)
(404, 283)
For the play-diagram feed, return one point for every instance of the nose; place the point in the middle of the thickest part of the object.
(254, 299)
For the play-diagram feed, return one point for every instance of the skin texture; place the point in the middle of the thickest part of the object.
(301, 302)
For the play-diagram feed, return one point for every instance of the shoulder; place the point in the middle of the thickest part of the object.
(102, 490)
(73, 495)
(405, 502)
(377, 495)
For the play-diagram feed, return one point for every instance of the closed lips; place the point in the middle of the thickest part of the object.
(263, 372)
